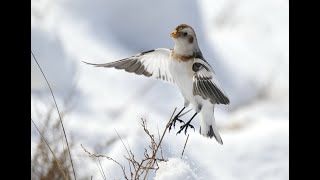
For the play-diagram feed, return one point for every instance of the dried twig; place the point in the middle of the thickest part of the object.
(184, 146)
(35, 171)
(109, 158)
(130, 154)
(150, 161)
(131, 173)
(104, 175)
(54, 156)
(65, 136)
(156, 150)
(160, 144)
(122, 143)
(99, 169)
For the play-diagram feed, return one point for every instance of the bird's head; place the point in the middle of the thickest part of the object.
(185, 40)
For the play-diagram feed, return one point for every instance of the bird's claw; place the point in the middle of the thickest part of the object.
(173, 122)
(185, 127)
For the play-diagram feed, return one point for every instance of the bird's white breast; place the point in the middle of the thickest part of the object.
(182, 74)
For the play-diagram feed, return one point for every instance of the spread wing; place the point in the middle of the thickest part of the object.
(205, 84)
(153, 63)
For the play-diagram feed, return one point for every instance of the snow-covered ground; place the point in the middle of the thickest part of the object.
(246, 42)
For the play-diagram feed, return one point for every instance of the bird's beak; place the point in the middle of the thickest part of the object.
(174, 34)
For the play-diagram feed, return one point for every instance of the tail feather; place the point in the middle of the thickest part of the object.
(208, 125)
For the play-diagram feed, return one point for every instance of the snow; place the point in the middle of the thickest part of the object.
(245, 41)
(174, 169)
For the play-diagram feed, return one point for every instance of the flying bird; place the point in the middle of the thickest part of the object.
(185, 67)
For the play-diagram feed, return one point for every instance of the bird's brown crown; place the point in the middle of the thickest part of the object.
(182, 26)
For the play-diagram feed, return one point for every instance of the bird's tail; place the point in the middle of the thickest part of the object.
(207, 124)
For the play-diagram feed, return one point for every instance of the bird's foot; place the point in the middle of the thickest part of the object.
(173, 122)
(185, 127)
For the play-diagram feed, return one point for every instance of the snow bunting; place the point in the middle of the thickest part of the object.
(184, 66)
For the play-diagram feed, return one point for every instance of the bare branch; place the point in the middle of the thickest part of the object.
(109, 158)
(131, 173)
(184, 146)
(156, 150)
(122, 142)
(150, 161)
(65, 136)
(102, 170)
(99, 169)
(160, 144)
(54, 156)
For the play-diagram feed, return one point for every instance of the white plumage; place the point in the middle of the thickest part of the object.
(185, 67)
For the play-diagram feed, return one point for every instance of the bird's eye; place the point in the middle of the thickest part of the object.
(185, 34)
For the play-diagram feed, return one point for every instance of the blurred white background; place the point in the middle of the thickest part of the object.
(245, 41)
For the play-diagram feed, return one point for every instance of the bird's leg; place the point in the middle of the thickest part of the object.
(186, 125)
(176, 118)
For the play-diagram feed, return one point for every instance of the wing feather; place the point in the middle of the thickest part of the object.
(152, 63)
(205, 84)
